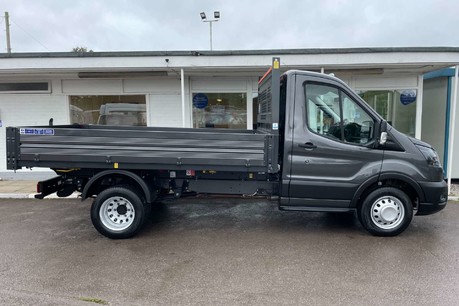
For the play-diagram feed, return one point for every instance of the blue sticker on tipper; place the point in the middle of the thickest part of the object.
(24, 131)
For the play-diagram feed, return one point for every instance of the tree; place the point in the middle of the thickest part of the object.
(81, 50)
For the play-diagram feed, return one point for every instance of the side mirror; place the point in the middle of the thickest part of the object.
(383, 126)
(383, 138)
(383, 133)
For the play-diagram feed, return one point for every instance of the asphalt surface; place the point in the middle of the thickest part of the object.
(223, 252)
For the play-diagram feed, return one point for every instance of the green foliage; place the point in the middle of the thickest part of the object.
(81, 50)
(93, 300)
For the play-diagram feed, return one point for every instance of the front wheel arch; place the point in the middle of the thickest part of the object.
(397, 180)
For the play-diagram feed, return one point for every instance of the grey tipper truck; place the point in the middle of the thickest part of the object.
(317, 147)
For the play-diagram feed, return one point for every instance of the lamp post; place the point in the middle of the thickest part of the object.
(210, 21)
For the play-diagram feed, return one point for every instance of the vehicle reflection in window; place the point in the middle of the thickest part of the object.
(109, 110)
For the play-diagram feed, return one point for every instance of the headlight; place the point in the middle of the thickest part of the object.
(430, 155)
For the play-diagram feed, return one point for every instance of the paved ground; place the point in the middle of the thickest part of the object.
(235, 252)
(21, 184)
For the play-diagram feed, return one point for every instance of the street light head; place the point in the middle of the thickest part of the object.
(210, 21)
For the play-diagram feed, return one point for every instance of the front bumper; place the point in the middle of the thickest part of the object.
(435, 197)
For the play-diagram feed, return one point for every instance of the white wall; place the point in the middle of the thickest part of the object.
(29, 109)
(218, 84)
(92, 87)
(381, 82)
(166, 110)
(164, 99)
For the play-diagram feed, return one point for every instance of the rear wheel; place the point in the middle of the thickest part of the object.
(118, 212)
(386, 212)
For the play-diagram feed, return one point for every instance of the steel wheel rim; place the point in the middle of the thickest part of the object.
(387, 212)
(117, 213)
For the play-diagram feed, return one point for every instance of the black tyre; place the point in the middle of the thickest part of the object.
(386, 211)
(118, 212)
(148, 209)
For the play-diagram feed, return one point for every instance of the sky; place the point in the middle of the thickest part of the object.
(166, 25)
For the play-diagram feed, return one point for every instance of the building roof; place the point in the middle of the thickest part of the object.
(232, 52)
(417, 60)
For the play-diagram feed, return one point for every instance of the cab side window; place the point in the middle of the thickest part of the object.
(333, 114)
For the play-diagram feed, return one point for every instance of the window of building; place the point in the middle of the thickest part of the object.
(108, 110)
(333, 114)
(398, 107)
(220, 110)
(24, 87)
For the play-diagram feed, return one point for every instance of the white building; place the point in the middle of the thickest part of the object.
(208, 88)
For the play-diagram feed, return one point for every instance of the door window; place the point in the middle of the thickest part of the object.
(333, 114)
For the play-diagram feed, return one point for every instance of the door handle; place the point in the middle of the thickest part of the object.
(307, 145)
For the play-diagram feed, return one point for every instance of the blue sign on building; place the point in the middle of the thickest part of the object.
(200, 100)
(408, 97)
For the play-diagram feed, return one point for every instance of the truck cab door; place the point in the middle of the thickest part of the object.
(333, 149)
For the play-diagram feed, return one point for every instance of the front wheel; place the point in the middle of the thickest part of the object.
(386, 212)
(118, 212)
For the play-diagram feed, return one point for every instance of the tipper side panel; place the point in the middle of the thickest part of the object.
(139, 148)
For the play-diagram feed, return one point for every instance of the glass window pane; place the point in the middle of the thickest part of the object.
(32, 86)
(108, 110)
(322, 106)
(404, 114)
(345, 121)
(220, 110)
(358, 126)
(399, 112)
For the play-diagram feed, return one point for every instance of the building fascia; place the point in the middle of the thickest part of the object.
(418, 60)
